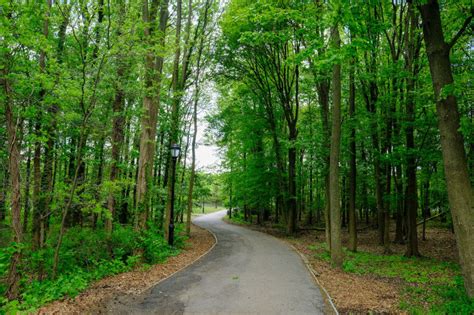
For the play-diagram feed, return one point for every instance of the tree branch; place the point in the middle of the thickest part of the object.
(461, 30)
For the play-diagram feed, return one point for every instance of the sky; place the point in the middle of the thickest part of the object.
(207, 156)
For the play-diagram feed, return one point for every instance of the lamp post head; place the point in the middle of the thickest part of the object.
(175, 150)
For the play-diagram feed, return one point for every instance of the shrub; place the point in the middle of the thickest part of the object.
(86, 255)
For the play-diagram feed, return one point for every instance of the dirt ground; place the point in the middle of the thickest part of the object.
(134, 282)
(362, 294)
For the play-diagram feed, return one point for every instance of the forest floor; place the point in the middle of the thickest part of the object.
(371, 282)
(134, 282)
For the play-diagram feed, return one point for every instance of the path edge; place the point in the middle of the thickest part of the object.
(314, 274)
(191, 263)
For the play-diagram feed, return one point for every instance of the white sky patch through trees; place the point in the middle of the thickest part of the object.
(207, 154)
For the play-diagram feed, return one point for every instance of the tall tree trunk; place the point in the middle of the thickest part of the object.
(193, 161)
(41, 191)
(14, 160)
(352, 164)
(3, 193)
(292, 118)
(411, 196)
(311, 191)
(75, 182)
(334, 189)
(195, 104)
(184, 158)
(26, 209)
(399, 235)
(151, 104)
(117, 134)
(323, 87)
(175, 111)
(291, 224)
(388, 174)
(365, 201)
(323, 95)
(460, 191)
(426, 202)
(37, 213)
(371, 99)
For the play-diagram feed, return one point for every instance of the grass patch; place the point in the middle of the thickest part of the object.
(207, 209)
(428, 285)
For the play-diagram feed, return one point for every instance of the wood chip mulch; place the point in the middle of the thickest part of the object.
(133, 282)
(351, 293)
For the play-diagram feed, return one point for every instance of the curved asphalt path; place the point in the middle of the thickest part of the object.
(247, 272)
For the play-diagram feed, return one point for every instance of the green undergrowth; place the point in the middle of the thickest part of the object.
(86, 255)
(238, 218)
(428, 285)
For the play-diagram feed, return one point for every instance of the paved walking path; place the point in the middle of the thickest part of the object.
(247, 272)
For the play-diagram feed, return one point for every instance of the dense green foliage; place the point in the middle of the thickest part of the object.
(277, 64)
(244, 124)
(74, 77)
(86, 255)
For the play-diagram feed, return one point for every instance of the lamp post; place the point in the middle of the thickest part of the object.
(175, 150)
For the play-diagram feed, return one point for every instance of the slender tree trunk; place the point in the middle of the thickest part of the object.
(365, 202)
(292, 214)
(184, 158)
(3, 193)
(334, 189)
(75, 181)
(175, 110)
(323, 94)
(13, 131)
(460, 191)
(411, 196)
(301, 203)
(195, 106)
(426, 203)
(37, 213)
(47, 177)
(399, 235)
(117, 142)
(26, 209)
(151, 104)
(352, 165)
(311, 191)
(388, 175)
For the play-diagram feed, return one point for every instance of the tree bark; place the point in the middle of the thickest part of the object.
(14, 160)
(151, 104)
(291, 224)
(195, 106)
(3, 192)
(334, 189)
(175, 111)
(411, 195)
(371, 97)
(352, 165)
(459, 188)
(118, 137)
(323, 95)
(27, 206)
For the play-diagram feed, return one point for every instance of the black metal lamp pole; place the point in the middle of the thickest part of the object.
(174, 156)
